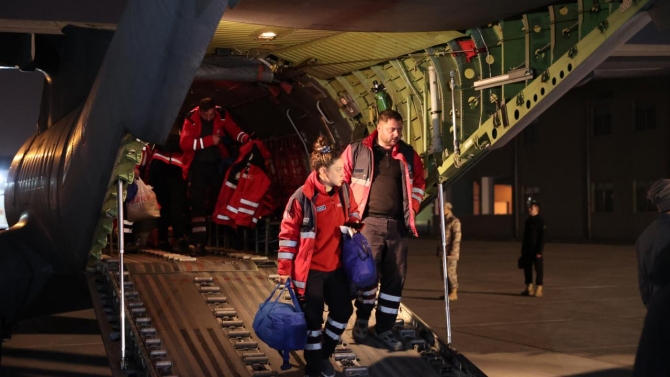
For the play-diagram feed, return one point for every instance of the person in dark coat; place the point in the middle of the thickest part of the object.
(652, 352)
(531, 251)
(653, 240)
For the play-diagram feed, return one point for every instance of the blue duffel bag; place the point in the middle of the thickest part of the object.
(280, 325)
(357, 260)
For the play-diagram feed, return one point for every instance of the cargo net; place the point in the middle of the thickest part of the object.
(288, 168)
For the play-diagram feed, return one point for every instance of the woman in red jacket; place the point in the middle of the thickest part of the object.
(309, 252)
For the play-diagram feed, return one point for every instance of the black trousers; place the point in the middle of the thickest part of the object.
(388, 240)
(170, 189)
(539, 270)
(204, 184)
(331, 288)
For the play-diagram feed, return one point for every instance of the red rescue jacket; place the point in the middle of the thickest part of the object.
(304, 221)
(191, 141)
(241, 201)
(359, 168)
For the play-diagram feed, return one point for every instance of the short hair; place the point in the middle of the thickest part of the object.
(534, 203)
(207, 104)
(385, 115)
(448, 205)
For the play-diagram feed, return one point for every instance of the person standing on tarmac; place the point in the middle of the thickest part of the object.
(654, 242)
(531, 251)
(386, 176)
(452, 236)
(165, 176)
(309, 253)
(205, 137)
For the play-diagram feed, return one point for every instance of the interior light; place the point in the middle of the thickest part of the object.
(511, 77)
(267, 36)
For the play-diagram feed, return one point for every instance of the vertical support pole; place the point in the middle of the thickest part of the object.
(267, 236)
(587, 167)
(217, 234)
(435, 111)
(426, 131)
(122, 308)
(457, 148)
(444, 260)
(515, 192)
(409, 119)
(256, 241)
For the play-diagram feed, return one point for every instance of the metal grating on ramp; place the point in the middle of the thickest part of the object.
(205, 318)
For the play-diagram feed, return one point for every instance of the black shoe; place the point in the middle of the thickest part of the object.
(131, 248)
(327, 368)
(181, 246)
(164, 246)
(199, 250)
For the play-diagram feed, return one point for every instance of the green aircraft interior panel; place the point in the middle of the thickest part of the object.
(565, 28)
(515, 51)
(594, 16)
(538, 28)
(468, 111)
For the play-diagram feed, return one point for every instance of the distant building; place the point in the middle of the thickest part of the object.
(588, 160)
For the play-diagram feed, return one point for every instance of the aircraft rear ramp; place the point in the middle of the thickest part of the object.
(193, 318)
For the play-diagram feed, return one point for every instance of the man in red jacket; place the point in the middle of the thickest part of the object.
(204, 136)
(386, 177)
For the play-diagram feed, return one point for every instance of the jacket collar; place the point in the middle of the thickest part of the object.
(371, 141)
(313, 186)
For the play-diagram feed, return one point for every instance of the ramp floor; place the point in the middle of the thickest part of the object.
(196, 343)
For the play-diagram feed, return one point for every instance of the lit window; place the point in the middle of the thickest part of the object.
(502, 200)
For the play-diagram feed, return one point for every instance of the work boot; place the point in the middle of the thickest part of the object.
(453, 296)
(199, 250)
(390, 340)
(181, 246)
(164, 246)
(529, 291)
(327, 368)
(360, 330)
(538, 291)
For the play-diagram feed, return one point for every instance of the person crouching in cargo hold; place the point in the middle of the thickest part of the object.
(531, 251)
(452, 237)
(386, 176)
(309, 252)
(204, 138)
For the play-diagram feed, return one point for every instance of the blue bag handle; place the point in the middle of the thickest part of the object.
(284, 354)
(292, 293)
(284, 287)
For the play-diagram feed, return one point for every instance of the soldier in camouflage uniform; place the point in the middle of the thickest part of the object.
(452, 233)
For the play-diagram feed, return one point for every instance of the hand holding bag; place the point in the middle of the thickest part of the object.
(280, 325)
(357, 260)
